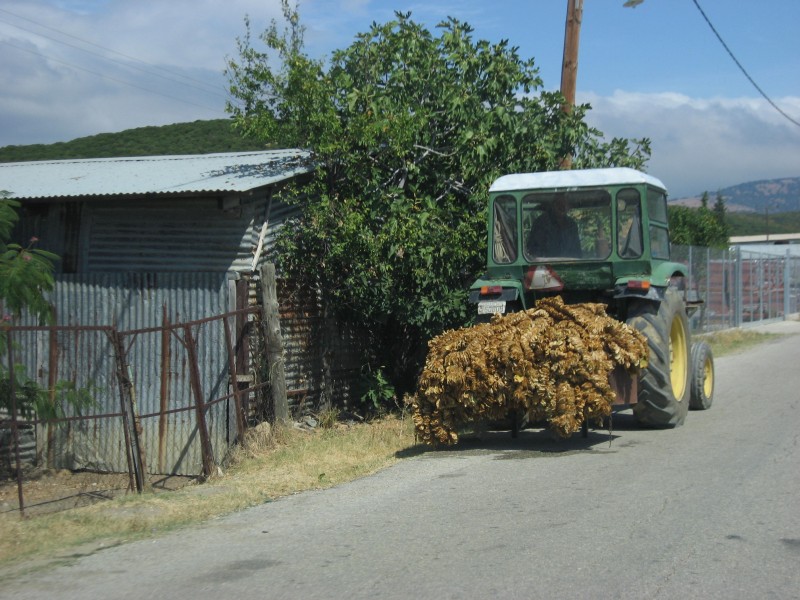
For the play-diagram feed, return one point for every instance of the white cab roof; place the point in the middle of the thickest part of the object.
(573, 179)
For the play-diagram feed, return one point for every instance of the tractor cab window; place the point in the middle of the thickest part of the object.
(504, 230)
(566, 225)
(659, 232)
(657, 205)
(629, 224)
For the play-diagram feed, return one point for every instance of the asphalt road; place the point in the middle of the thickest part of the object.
(707, 510)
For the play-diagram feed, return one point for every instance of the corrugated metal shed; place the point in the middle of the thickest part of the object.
(228, 173)
(182, 236)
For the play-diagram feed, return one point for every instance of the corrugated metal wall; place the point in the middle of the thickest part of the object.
(133, 301)
(323, 356)
(154, 235)
(178, 235)
(322, 363)
(26, 434)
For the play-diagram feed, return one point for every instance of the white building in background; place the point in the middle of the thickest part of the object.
(774, 244)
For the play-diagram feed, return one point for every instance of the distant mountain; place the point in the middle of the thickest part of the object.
(199, 137)
(770, 195)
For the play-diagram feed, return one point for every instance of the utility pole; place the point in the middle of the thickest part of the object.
(569, 65)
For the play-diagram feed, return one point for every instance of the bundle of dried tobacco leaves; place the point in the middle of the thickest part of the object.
(551, 363)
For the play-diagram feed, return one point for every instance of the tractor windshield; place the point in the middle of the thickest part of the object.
(566, 225)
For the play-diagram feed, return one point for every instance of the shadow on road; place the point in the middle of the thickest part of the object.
(531, 442)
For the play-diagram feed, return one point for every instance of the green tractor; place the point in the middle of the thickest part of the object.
(600, 235)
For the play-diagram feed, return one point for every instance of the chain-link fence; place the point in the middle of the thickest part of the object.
(738, 286)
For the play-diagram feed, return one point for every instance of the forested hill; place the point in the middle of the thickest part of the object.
(765, 196)
(773, 195)
(199, 137)
(757, 207)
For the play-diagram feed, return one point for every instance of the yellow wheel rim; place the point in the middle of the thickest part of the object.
(708, 377)
(678, 358)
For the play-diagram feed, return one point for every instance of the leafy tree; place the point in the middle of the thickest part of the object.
(25, 272)
(720, 214)
(408, 129)
(701, 226)
(696, 227)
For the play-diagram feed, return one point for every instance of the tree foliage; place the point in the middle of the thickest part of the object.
(701, 226)
(721, 213)
(697, 227)
(408, 128)
(762, 223)
(26, 272)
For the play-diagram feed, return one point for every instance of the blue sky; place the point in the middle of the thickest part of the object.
(72, 68)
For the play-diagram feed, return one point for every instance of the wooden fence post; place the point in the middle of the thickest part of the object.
(241, 420)
(14, 422)
(166, 374)
(206, 448)
(135, 452)
(52, 379)
(274, 342)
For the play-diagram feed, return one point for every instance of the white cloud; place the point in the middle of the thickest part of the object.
(71, 72)
(704, 144)
(54, 92)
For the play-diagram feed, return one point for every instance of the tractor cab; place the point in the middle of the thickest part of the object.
(587, 235)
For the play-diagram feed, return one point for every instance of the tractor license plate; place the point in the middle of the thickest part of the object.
(492, 307)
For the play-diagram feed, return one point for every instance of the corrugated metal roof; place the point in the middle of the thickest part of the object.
(232, 172)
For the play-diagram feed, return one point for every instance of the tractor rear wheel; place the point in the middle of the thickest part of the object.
(702, 364)
(664, 386)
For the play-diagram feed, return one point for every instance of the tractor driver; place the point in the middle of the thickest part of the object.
(554, 232)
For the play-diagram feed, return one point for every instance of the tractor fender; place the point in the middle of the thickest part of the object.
(509, 290)
(667, 273)
(664, 275)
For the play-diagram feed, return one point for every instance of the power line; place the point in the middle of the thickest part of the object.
(114, 79)
(208, 90)
(149, 67)
(741, 68)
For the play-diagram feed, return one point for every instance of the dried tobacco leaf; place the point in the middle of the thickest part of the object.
(551, 362)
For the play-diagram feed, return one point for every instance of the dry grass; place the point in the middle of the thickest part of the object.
(268, 465)
(731, 341)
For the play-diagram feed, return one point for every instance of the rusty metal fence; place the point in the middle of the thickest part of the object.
(204, 395)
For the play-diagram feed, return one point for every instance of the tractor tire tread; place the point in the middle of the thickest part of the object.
(656, 404)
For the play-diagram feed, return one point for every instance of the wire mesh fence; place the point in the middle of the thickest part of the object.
(738, 286)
